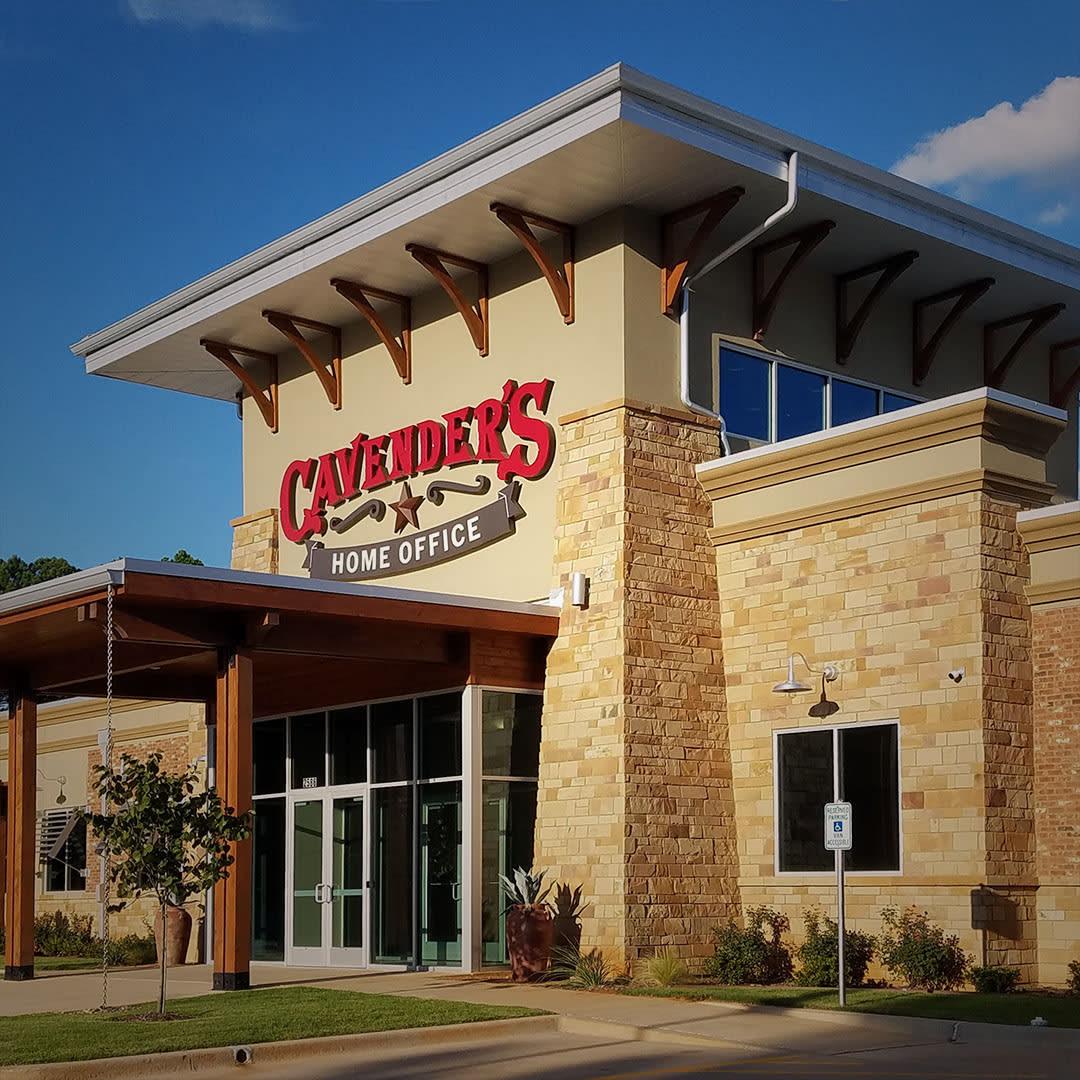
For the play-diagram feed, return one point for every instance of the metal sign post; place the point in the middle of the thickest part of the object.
(838, 840)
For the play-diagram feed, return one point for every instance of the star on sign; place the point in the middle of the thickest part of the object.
(405, 508)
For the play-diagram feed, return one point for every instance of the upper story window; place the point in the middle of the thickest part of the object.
(764, 400)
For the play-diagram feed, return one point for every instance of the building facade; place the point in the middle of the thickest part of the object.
(683, 400)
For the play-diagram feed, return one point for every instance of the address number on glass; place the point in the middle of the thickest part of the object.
(309, 781)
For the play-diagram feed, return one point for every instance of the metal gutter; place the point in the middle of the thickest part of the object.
(99, 577)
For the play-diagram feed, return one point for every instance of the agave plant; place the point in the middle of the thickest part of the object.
(525, 889)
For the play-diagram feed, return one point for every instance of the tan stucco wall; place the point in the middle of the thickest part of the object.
(528, 342)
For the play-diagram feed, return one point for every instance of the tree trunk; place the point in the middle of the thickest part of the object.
(163, 958)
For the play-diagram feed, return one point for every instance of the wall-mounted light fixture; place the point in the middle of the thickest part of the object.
(791, 685)
(61, 798)
(579, 590)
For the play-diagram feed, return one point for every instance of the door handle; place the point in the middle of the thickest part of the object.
(455, 890)
(319, 893)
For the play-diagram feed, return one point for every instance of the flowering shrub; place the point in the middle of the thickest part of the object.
(752, 955)
(994, 979)
(818, 955)
(920, 952)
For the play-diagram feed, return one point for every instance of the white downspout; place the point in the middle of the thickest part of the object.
(712, 264)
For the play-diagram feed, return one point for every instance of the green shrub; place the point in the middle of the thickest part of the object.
(921, 952)
(994, 979)
(58, 934)
(818, 954)
(755, 954)
(1074, 976)
(131, 949)
(665, 968)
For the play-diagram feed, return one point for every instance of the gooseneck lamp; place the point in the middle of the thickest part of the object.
(791, 685)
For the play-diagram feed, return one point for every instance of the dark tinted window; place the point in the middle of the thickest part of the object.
(868, 780)
(892, 402)
(348, 745)
(308, 749)
(440, 735)
(851, 402)
(392, 741)
(744, 394)
(268, 755)
(806, 785)
(511, 726)
(800, 402)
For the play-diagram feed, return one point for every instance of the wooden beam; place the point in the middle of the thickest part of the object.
(181, 628)
(1036, 319)
(923, 352)
(267, 400)
(413, 645)
(63, 672)
(289, 326)
(560, 279)
(1069, 380)
(164, 685)
(848, 329)
(476, 318)
(232, 898)
(400, 350)
(676, 260)
(802, 242)
(21, 816)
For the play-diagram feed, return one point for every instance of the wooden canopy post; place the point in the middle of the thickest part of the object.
(232, 896)
(22, 811)
(3, 852)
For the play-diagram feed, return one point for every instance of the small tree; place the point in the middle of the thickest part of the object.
(170, 841)
(184, 557)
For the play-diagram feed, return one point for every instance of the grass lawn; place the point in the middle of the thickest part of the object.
(979, 1008)
(243, 1017)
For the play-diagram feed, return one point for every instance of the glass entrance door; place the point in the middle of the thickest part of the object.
(326, 882)
(440, 874)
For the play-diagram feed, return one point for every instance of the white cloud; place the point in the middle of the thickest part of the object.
(242, 14)
(1040, 140)
(1055, 215)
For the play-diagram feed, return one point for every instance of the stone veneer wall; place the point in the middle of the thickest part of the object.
(635, 778)
(897, 598)
(255, 542)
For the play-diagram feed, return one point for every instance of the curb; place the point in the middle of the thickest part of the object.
(137, 1066)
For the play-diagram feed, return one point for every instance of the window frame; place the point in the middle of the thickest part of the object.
(720, 343)
(69, 869)
(819, 875)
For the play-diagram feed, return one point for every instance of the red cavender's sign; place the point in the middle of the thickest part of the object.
(473, 435)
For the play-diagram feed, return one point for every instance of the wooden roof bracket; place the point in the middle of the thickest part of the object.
(289, 326)
(267, 400)
(848, 329)
(476, 318)
(803, 241)
(561, 279)
(1036, 319)
(400, 350)
(1059, 392)
(675, 261)
(923, 353)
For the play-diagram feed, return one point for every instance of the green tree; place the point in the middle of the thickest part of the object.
(171, 840)
(16, 573)
(184, 557)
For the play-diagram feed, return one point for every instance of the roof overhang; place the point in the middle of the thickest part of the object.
(620, 138)
(313, 643)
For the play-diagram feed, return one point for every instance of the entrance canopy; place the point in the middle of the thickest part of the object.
(311, 643)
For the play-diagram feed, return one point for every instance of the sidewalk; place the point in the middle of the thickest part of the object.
(632, 1018)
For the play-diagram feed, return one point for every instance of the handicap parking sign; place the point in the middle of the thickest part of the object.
(838, 826)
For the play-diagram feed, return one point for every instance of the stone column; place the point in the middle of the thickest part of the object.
(255, 542)
(635, 773)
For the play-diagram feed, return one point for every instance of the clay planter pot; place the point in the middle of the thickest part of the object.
(528, 941)
(177, 935)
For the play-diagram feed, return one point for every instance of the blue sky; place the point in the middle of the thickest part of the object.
(148, 142)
